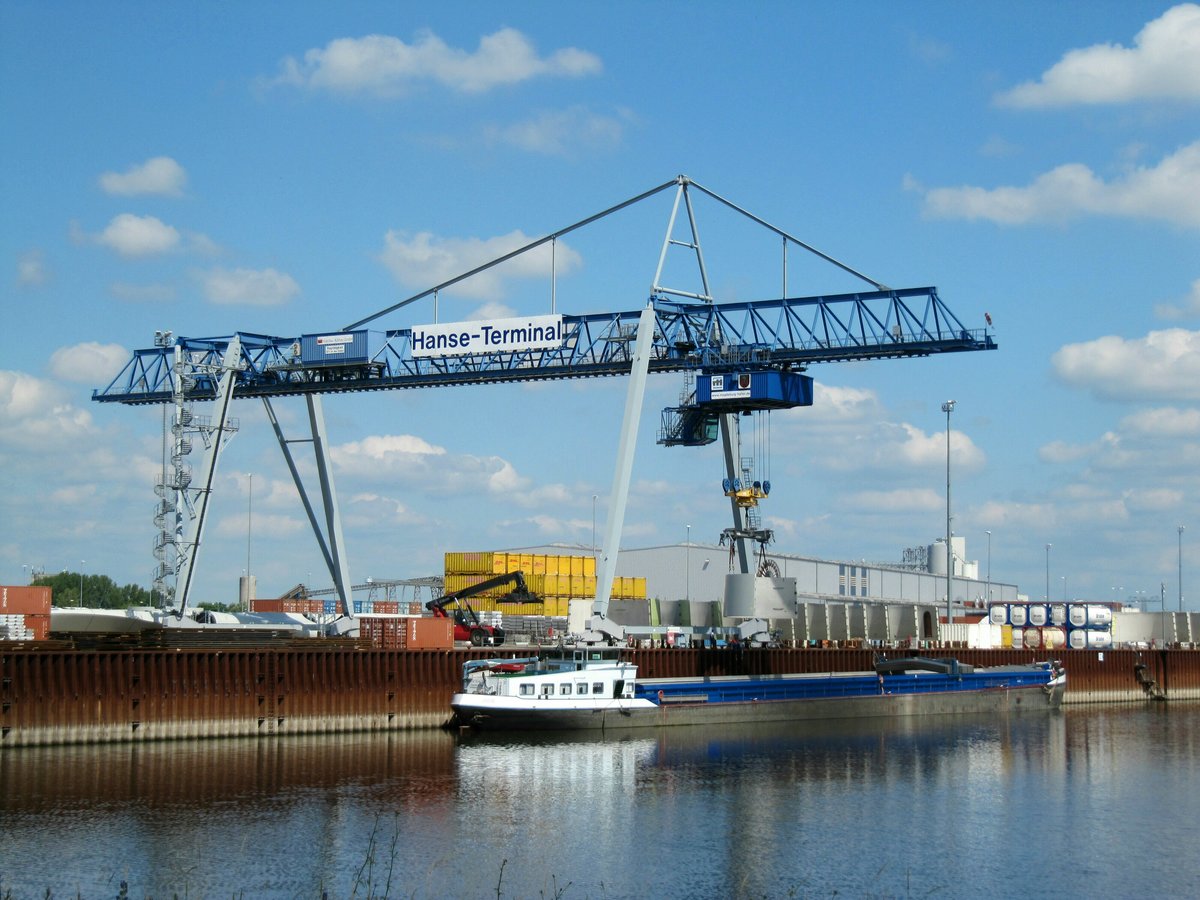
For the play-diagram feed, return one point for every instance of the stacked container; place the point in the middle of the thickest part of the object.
(555, 579)
(404, 632)
(24, 613)
(1080, 626)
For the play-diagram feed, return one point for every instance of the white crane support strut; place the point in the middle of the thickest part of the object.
(600, 628)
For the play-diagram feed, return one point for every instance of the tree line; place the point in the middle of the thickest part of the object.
(101, 592)
(98, 591)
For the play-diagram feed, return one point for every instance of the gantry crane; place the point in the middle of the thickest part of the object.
(743, 356)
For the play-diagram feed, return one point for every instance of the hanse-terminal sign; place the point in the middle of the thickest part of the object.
(488, 336)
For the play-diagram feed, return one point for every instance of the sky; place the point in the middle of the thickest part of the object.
(287, 168)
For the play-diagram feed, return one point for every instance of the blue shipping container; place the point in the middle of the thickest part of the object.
(348, 348)
(755, 390)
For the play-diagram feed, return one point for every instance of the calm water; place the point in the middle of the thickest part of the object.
(1094, 802)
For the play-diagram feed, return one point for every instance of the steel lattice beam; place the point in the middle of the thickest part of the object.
(794, 332)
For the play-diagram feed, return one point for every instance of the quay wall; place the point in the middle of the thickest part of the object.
(51, 695)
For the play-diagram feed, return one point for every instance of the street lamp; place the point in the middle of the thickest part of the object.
(1181, 568)
(82, 563)
(989, 575)
(1048, 572)
(947, 408)
(688, 568)
(249, 518)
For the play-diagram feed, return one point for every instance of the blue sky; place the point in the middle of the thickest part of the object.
(287, 168)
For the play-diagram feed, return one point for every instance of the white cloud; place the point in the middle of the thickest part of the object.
(490, 310)
(1167, 421)
(904, 500)
(278, 526)
(1164, 365)
(1187, 309)
(134, 236)
(561, 132)
(1062, 452)
(410, 460)
(88, 363)
(248, 287)
(34, 417)
(1153, 499)
(142, 293)
(159, 175)
(31, 269)
(1164, 192)
(1164, 63)
(423, 260)
(1073, 189)
(387, 66)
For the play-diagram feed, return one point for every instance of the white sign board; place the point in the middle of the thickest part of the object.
(488, 336)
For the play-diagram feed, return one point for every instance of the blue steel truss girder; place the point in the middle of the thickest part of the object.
(790, 332)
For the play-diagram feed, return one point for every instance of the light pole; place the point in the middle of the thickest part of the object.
(249, 518)
(1048, 572)
(688, 568)
(947, 408)
(989, 575)
(1181, 568)
(82, 563)
(593, 524)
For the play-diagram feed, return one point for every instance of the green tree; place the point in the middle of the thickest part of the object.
(99, 591)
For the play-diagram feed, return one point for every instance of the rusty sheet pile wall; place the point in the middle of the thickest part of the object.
(51, 695)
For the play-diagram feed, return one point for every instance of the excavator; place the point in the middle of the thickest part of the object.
(467, 626)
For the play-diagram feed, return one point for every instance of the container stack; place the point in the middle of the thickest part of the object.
(556, 580)
(1053, 626)
(407, 633)
(24, 613)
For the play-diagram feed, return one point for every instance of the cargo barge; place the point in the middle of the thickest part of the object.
(591, 688)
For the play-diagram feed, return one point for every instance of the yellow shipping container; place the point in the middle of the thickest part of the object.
(577, 565)
(477, 563)
(539, 564)
(1006, 636)
(589, 566)
(639, 588)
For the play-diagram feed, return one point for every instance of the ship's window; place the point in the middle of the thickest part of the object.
(581, 687)
(527, 690)
(565, 689)
(597, 687)
(547, 690)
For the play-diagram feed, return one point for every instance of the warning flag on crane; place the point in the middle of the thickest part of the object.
(988, 318)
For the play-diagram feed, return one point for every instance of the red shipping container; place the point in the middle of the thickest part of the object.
(387, 606)
(430, 633)
(266, 606)
(16, 600)
(39, 625)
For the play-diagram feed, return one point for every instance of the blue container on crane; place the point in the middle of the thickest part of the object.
(346, 348)
(746, 391)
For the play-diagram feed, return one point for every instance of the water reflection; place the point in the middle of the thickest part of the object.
(883, 808)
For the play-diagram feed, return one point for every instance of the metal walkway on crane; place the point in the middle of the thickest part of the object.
(710, 337)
